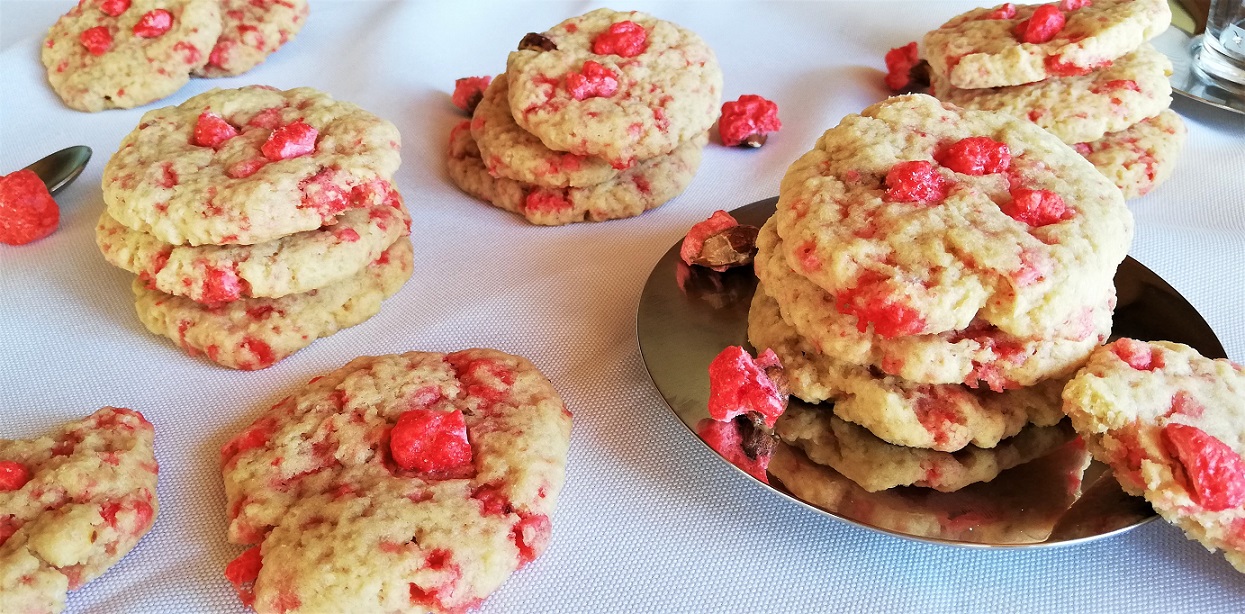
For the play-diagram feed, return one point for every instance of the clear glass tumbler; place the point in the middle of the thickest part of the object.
(1223, 45)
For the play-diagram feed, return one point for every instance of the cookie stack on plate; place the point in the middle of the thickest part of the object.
(1081, 70)
(602, 117)
(937, 274)
(257, 220)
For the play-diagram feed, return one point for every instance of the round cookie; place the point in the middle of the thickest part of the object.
(1079, 108)
(256, 333)
(184, 177)
(637, 99)
(1023, 511)
(213, 274)
(876, 465)
(342, 528)
(251, 32)
(118, 54)
(511, 152)
(1171, 424)
(943, 417)
(981, 48)
(1140, 157)
(85, 497)
(979, 356)
(644, 186)
(1023, 237)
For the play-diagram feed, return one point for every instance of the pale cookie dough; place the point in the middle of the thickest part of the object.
(162, 183)
(908, 267)
(252, 31)
(122, 69)
(343, 529)
(645, 186)
(1132, 402)
(876, 465)
(213, 274)
(974, 50)
(979, 356)
(943, 417)
(90, 497)
(1140, 157)
(1023, 511)
(511, 152)
(255, 333)
(664, 96)
(1079, 108)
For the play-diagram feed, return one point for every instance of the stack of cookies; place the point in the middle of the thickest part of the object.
(108, 54)
(1082, 70)
(602, 117)
(937, 274)
(257, 220)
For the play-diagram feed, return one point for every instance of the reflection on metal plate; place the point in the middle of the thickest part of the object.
(1182, 48)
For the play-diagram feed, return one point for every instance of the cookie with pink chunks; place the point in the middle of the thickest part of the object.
(944, 417)
(255, 333)
(72, 504)
(877, 465)
(647, 185)
(1079, 108)
(252, 31)
(412, 482)
(921, 218)
(618, 86)
(1014, 44)
(1171, 424)
(249, 165)
(301, 262)
(1024, 509)
(1140, 157)
(511, 152)
(119, 54)
(980, 356)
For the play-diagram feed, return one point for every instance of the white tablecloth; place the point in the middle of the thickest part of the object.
(650, 520)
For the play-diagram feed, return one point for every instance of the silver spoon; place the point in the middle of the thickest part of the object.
(61, 168)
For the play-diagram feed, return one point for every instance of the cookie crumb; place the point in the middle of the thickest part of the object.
(27, 211)
(748, 120)
(469, 91)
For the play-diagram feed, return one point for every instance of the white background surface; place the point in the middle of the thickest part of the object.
(650, 519)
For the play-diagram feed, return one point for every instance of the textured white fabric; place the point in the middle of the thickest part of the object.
(650, 519)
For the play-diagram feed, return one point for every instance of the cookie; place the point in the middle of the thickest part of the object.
(1171, 424)
(920, 217)
(511, 152)
(876, 465)
(618, 86)
(980, 356)
(301, 262)
(1140, 157)
(248, 165)
(645, 186)
(942, 417)
(342, 527)
(119, 54)
(989, 47)
(251, 32)
(72, 504)
(255, 333)
(1079, 108)
(1023, 510)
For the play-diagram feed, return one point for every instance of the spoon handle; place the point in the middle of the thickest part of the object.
(61, 168)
